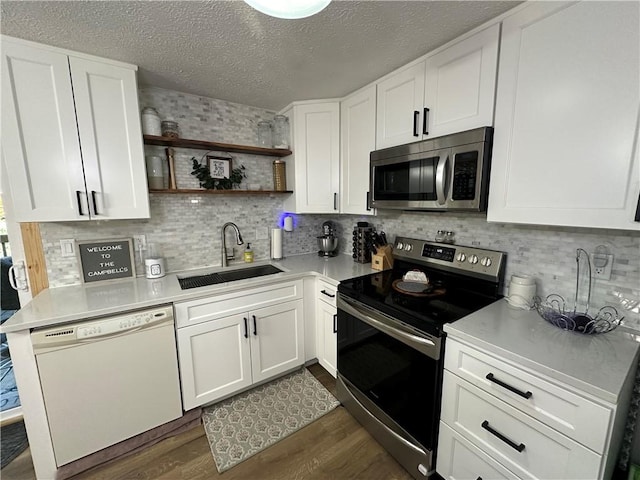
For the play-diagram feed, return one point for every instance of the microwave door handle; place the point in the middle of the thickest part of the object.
(441, 177)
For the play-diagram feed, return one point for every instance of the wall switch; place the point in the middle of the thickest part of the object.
(262, 233)
(68, 247)
(139, 242)
(601, 265)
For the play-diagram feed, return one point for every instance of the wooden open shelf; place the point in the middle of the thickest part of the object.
(198, 191)
(220, 147)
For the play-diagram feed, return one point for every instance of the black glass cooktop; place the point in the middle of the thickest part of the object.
(447, 298)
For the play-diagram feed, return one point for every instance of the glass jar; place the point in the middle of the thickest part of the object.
(170, 129)
(450, 237)
(151, 122)
(280, 132)
(155, 174)
(265, 136)
(440, 236)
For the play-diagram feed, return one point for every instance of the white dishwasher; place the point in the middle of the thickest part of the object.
(106, 380)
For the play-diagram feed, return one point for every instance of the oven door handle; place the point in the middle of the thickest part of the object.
(424, 345)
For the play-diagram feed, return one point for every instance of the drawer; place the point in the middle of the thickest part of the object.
(459, 459)
(522, 444)
(219, 306)
(571, 414)
(327, 292)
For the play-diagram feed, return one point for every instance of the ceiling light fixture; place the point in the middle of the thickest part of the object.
(288, 9)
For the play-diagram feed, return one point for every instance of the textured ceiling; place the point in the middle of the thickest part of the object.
(227, 50)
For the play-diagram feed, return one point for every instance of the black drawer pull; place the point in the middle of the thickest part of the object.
(95, 203)
(246, 328)
(79, 200)
(493, 379)
(425, 121)
(335, 323)
(416, 116)
(327, 294)
(255, 325)
(511, 443)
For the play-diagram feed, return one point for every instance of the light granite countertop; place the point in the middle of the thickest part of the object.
(66, 304)
(596, 364)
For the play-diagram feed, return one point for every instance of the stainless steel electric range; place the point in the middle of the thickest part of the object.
(391, 340)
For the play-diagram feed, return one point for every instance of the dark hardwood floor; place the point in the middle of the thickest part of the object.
(333, 447)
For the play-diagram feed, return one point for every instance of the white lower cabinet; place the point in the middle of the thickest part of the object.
(499, 420)
(327, 327)
(260, 337)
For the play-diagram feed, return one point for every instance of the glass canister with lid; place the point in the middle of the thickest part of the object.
(280, 132)
(151, 122)
(265, 135)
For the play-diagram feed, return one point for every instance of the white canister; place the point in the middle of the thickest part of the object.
(522, 290)
(154, 267)
(155, 172)
(151, 122)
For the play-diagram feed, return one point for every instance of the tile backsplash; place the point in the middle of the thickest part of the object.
(186, 227)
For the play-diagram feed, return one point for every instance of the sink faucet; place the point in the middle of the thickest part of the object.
(224, 242)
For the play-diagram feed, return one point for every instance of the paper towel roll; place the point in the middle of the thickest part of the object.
(276, 243)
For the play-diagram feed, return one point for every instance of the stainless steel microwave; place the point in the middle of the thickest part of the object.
(444, 173)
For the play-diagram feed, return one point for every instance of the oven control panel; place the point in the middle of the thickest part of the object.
(473, 261)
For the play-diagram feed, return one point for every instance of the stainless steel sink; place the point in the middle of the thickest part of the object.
(227, 276)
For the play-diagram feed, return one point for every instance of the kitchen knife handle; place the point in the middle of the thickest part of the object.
(79, 200)
(425, 121)
(335, 323)
(519, 447)
(246, 328)
(95, 204)
(493, 379)
(416, 116)
(255, 325)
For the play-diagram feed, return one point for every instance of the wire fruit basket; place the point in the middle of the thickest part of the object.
(554, 308)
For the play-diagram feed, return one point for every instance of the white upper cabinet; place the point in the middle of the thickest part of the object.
(357, 140)
(313, 170)
(565, 148)
(71, 136)
(450, 91)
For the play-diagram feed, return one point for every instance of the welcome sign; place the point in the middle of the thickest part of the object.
(106, 259)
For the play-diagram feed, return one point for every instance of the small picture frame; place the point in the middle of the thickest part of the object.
(219, 167)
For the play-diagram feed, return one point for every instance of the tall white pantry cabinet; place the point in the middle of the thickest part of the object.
(71, 135)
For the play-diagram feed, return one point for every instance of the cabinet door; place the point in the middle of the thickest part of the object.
(39, 135)
(357, 140)
(566, 120)
(215, 359)
(459, 459)
(460, 84)
(400, 107)
(327, 336)
(106, 98)
(314, 167)
(277, 339)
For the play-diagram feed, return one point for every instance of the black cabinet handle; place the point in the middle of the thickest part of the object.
(255, 325)
(425, 121)
(335, 323)
(519, 447)
(637, 217)
(246, 328)
(416, 116)
(93, 199)
(493, 379)
(368, 201)
(335, 201)
(79, 200)
(327, 293)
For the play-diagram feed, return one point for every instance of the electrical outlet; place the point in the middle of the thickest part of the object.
(139, 242)
(67, 246)
(602, 264)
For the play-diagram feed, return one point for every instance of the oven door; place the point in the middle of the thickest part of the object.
(392, 375)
